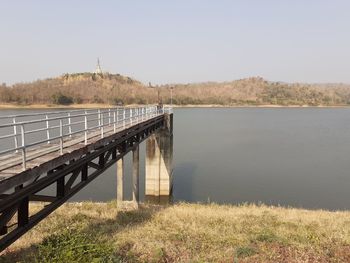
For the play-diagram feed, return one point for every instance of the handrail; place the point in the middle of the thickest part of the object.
(55, 118)
(119, 117)
(45, 113)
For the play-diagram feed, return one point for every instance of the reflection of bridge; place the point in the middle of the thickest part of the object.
(68, 149)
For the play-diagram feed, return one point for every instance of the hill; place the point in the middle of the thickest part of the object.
(111, 89)
(257, 91)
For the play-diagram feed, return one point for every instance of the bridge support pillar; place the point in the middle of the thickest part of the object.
(135, 174)
(159, 164)
(120, 179)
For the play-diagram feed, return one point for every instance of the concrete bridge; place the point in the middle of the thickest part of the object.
(68, 149)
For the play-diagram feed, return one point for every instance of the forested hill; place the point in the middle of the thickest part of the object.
(116, 89)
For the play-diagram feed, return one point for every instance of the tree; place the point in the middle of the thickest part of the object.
(61, 99)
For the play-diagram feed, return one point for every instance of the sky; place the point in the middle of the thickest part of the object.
(161, 41)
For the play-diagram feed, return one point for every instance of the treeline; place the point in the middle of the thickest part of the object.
(79, 88)
(257, 91)
(116, 89)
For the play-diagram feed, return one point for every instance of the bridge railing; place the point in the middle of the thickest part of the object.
(24, 131)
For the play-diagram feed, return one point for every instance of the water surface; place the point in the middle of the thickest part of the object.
(296, 157)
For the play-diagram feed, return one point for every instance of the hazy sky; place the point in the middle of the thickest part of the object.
(177, 41)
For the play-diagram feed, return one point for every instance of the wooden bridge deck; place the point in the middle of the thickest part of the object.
(11, 164)
(17, 164)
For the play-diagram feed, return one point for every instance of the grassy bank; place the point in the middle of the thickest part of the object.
(98, 232)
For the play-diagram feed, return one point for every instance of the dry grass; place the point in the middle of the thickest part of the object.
(195, 233)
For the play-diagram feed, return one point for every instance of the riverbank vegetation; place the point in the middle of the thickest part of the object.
(99, 232)
(115, 89)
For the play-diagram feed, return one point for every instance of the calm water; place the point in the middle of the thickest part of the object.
(290, 157)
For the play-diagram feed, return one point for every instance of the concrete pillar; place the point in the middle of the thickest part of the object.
(152, 166)
(135, 174)
(159, 164)
(120, 179)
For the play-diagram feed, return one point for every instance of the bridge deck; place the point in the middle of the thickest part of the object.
(64, 159)
(11, 164)
(44, 156)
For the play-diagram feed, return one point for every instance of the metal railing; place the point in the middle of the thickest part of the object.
(60, 126)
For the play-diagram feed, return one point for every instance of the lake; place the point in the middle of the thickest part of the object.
(297, 157)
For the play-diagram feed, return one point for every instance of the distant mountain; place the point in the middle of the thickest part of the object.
(117, 89)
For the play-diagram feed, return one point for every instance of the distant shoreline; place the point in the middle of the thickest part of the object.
(259, 106)
(91, 106)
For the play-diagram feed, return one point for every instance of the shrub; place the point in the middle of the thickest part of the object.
(97, 99)
(78, 100)
(62, 99)
(118, 101)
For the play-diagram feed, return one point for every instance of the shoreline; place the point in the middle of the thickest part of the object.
(258, 106)
(92, 106)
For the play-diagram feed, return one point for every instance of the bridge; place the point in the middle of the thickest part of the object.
(66, 150)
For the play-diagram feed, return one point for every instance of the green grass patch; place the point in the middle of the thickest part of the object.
(247, 251)
(74, 246)
(267, 236)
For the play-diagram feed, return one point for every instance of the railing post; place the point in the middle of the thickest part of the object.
(102, 130)
(123, 118)
(47, 129)
(109, 117)
(69, 125)
(99, 118)
(24, 164)
(117, 117)
(137, 115)
(85, 128)
(15, 134)
(130, 117)
(61, 137)
(114, 121)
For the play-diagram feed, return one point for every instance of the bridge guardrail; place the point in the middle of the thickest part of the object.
(57, 127)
